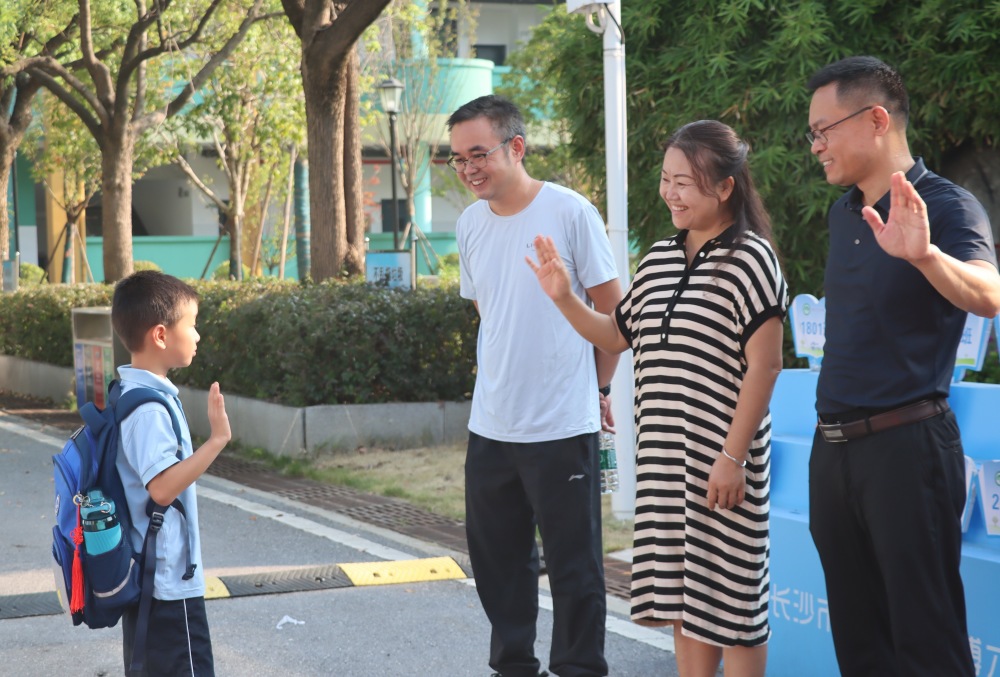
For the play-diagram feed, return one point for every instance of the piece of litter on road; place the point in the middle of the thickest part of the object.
(288, 619)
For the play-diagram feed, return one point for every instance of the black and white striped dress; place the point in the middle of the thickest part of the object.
(687, 326)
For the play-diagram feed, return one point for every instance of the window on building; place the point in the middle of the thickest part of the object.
(495, 53)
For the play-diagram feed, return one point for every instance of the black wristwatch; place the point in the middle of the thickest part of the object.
(606, 390)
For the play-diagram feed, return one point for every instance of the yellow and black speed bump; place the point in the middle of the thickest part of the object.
(33, 604)
(409, 571)
(272, 582)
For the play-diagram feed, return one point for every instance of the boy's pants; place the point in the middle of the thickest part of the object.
(509, 488)
(178, 643)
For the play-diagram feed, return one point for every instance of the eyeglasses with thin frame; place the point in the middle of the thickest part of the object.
(812, 136)
(477, 160)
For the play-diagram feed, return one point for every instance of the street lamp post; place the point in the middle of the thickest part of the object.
(608, 24)
(391, 94)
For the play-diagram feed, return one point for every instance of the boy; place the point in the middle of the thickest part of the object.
(154, 316)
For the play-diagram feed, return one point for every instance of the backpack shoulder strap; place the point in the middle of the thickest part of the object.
(125, 403)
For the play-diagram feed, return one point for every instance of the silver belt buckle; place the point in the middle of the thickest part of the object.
(831, 432)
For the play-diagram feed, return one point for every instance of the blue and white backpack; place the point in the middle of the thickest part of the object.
(102, 575)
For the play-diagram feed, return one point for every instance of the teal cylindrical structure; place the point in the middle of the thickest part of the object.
(422, 196)
(301, 207)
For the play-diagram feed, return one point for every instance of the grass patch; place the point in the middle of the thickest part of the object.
(431, 478)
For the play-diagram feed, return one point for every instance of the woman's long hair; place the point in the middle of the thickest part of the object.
(716, 152)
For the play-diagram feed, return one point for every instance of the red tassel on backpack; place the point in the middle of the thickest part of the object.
(76, 595)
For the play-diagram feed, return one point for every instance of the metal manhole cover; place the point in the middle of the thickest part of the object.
(328, 496)
(395, 515)
(227, 466)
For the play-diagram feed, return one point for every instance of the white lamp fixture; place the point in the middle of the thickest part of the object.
(390, 94)
(585, 6)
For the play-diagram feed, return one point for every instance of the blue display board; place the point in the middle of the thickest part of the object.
(801, 642)
(391, 268)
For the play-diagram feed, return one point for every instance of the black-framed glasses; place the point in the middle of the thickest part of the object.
(812, 136)
(477, 160)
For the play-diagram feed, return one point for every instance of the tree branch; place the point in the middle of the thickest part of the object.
(347, 27)
(202, 75)
(99, 72)
(51, 69)
(193, 177)
(74, 104)
(295, 11)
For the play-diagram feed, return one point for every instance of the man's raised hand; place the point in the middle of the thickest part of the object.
(550, 269)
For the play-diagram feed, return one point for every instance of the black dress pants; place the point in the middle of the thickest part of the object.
(885, 514)
(509, 489)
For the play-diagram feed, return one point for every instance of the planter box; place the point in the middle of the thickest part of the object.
(279, 429)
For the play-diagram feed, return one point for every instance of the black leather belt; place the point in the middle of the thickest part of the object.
(911, 413)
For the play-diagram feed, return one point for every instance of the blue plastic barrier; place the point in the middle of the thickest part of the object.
(801, 643)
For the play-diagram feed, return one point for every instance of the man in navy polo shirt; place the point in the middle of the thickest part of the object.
(910, 254)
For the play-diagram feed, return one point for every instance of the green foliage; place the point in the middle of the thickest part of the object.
(252, 113)
(29, 274)
(991, 366)
(35, 321)
(335, 343)
(328, 343)
(745, 62)
(145, 265)
(448, 271)
(222, 272)
(551, 154)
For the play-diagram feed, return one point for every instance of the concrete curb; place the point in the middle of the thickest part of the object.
(280, 429)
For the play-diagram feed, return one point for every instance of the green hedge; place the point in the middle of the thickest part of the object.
(329, 343)
(35, 321)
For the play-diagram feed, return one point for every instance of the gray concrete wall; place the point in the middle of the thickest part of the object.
(279, 429)
(255, 423)
(399, 425)
(36, 378)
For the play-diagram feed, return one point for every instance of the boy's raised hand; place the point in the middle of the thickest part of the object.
(217, 416)
(550, 269)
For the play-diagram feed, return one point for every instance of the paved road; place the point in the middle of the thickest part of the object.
(417, 629)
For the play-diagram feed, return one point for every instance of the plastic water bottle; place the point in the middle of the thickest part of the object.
(609, 463)
(101, 530)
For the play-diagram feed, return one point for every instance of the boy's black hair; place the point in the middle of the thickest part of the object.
(864, 80)
(145, 299)
(504, 116)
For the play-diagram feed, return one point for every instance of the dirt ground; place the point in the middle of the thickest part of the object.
(39, 410)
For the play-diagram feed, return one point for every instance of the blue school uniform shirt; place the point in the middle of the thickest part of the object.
(148, 446)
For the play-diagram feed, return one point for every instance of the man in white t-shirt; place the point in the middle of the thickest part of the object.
(536, 410)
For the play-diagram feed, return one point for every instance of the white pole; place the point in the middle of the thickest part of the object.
(623, 384)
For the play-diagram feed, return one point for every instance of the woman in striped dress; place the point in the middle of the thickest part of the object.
(703, 318)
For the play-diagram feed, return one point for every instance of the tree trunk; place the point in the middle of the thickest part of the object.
(6, 158)
(235, 250)
(353, 173)
(237, 203)
(116, 206)
(325, 93)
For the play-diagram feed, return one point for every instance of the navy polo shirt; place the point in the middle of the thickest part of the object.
(891, 338)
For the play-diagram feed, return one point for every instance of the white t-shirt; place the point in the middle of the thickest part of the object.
(536, 378)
